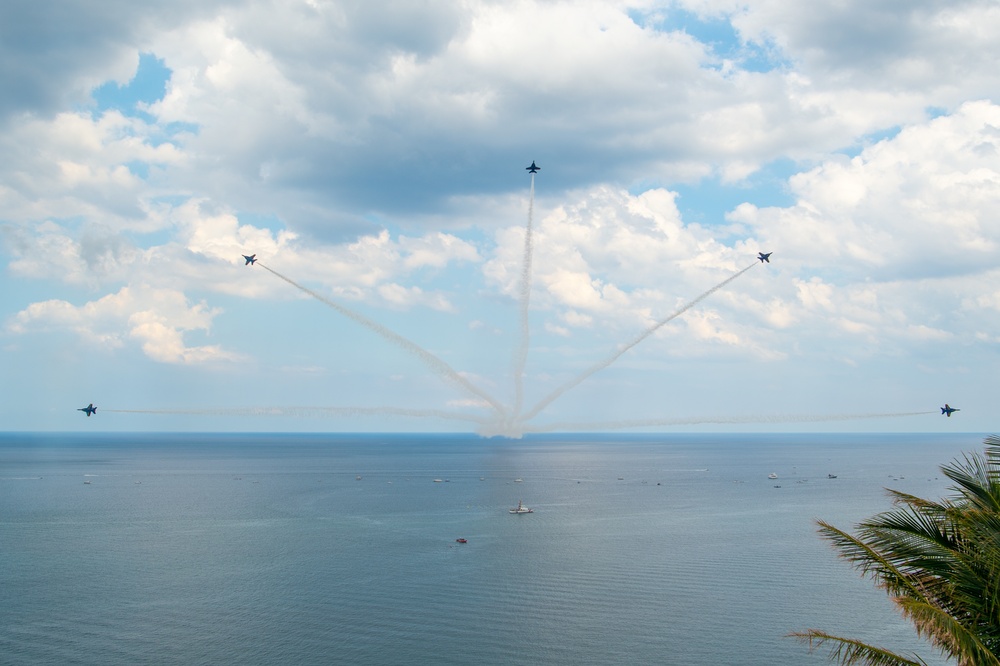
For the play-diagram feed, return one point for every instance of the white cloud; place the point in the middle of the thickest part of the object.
(400, 296)
(601, 253)
(920, 204)
(156, 318)
(375, 154)
(435, 250)
(75, 166)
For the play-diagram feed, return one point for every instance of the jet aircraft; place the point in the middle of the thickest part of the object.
(946, 410)
(764, 257)
(251, 259)
(89, 409)
(533, 169)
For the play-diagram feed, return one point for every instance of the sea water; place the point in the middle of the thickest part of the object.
(341, 549)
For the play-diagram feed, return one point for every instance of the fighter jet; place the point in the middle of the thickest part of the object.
(764, 257)
(252, 258)
(533, 169)
(946, 410)
(89, 409)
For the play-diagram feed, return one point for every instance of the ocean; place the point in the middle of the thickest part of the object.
(341, 549)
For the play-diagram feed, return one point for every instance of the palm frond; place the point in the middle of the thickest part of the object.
(930, 507)
(947, 632)
(939, 561)
(976, 484)
(847, 651)
(871, 563)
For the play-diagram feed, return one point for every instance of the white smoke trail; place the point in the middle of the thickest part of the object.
(435, 363)
(699, 420)
(544, 402)
(521, 355)
(309, 412)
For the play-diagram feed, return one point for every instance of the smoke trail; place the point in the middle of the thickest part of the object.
(521, 355)
(614, 357)
(699, 420)
(435, 363)
(309, 412)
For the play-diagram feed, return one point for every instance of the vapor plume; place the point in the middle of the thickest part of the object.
(521, 355)
(310, 412)
(699, 420)
(436, 364)
(547, 400)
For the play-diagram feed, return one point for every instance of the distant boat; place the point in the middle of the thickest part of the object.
(357, 478)
(87, 482)
(460, 540)
(521, 509)
(518, 480)
(437, 480)
(831, 476)
(772, 475)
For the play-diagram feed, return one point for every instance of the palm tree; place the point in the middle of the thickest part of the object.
(940, 564)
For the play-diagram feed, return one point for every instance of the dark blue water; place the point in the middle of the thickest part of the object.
(262, 549)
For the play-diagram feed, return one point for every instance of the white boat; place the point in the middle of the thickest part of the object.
(772, 475)
(521, 509)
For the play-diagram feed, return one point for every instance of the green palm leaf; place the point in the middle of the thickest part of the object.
(847, 651)
(940, 627)
(940, 563)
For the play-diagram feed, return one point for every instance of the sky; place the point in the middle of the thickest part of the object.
(412, 275)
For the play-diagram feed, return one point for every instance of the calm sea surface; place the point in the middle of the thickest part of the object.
(340, 549)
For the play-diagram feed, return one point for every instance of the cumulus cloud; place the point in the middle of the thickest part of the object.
(332, 135)
(95, 256)
(334, 112)
(406, 297)
(64, 50)
(79, 167)
(376, 155)
(609, 251)
(920, 204)
(156, 319)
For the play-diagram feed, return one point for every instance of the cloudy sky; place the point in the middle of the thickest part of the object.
(372, 155)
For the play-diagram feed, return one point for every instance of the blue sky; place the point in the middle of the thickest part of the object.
(375, 157)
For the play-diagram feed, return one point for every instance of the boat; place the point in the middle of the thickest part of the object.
(521, 509)
(518, 480)
(831, 476)
(437, 481)
(772, 475)
(461, 540)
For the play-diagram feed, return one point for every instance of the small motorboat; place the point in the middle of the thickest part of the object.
(461, 540)
(521, 509)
